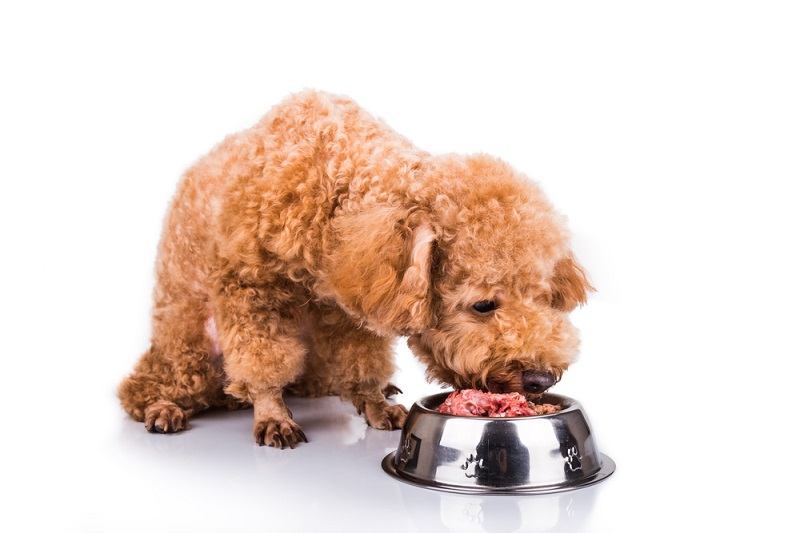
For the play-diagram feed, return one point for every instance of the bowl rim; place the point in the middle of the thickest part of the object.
(570, 403)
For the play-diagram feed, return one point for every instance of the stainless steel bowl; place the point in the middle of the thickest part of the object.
(522, 455)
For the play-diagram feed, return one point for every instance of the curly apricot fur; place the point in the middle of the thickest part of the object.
(302, 246)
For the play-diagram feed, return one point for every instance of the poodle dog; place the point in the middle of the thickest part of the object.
(297, 250)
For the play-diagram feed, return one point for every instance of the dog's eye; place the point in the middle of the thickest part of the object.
(484, 307)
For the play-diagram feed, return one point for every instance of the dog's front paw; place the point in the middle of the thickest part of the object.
(164, 417)
(385, 416)
(278, 433)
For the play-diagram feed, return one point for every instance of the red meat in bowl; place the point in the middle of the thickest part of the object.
(472, 402)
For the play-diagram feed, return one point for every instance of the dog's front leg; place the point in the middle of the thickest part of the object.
(262, 354)
(359, 364)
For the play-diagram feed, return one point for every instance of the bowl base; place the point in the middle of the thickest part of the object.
(607, 468)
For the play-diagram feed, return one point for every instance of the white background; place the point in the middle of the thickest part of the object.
(667, 132)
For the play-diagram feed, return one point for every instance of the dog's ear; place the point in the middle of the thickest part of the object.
(378, 268)
(569, 285)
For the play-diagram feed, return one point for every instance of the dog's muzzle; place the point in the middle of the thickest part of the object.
(537, 381)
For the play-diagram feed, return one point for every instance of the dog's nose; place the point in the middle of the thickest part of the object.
(537, 381)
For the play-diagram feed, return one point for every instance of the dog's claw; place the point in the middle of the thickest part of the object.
(278, 433)
(164, 417)
(390, 390)
(385, 416)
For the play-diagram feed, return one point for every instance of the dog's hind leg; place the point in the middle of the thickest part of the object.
(180, 374)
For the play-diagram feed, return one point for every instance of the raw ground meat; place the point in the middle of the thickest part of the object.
(472, 402)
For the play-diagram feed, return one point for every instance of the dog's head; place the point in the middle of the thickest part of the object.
(480, 277)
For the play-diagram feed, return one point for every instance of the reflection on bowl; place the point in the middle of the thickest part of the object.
(534, 454)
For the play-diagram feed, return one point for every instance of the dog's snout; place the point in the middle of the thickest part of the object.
(537, 381)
